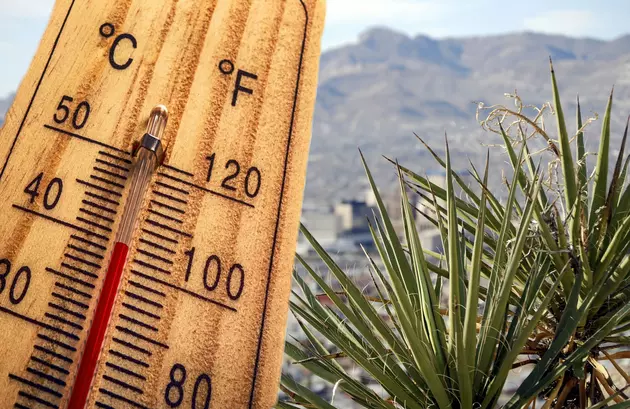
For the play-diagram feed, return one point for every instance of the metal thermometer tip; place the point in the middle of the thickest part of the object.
(155, 129)
(149, 156)
(157, 121)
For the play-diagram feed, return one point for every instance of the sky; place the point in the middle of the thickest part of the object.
(22, 22)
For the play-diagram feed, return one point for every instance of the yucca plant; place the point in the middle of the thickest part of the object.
(551, 267)
(579, 237)
(422, 353)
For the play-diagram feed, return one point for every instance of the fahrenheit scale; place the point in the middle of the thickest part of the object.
(151, 177)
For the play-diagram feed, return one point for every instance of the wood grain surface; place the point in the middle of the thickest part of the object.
(201, 314)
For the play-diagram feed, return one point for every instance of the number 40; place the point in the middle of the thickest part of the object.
(51, 195)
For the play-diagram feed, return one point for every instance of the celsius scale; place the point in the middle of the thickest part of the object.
(152, 169)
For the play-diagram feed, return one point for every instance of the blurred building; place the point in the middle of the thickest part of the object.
(322, 223)
(354, 214)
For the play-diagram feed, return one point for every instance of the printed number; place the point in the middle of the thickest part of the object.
(79, 116)
(16, 296)
(210, 166)
(6, 265)
(236, 269)
(20, 283)
(253, 177)
(174, 392)
(175, 386)
(52, 194)
(203, 378)
(213, 264)
(237, 169)
(235, 282)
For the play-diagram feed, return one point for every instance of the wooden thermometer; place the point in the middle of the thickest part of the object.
(151, 176)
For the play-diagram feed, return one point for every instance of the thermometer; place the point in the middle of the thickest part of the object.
(152, 169)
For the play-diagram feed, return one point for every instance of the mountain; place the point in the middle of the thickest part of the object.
(376, 93)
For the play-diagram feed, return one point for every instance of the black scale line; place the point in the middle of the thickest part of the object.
(146, 288)
(124, 370)
(49, 365)
(45, 376)
(183, 172)
(121, 398)
(99, 207)
(112, 165)
(109, 173)
(173, 188)
(109, 155)
(107, 181)
(103, 405)
(165, 206)
(20, 406)
(96, 215)
(67, 311)
(141, 311)
(88, 242)
(70, 278)
(83, 247)
(70, 300)
(64, 321)
(143, 299)
(39, 84)
(94, 224)
(73, 290)
(261, 332)
(103, 198)
(168, 228)
(160, 236)
(123, 384)
(137, 322)
(56, 342)
(85, 251)
(34, 398)
(154, 256)
(33, 371)
(83, 261)
(156, 246)
(132, 346)
(99, 188)
(128, 358)
(35, 385)
(53, 354)
(169, 197)
(139, 336)
(165, 217)
(79, 270)
(150, 266)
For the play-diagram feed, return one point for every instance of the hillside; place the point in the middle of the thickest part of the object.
(374, 94)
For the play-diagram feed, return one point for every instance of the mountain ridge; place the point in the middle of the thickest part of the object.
(377, 92)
